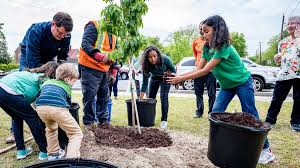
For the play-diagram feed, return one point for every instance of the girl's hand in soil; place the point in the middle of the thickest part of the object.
(174, 80)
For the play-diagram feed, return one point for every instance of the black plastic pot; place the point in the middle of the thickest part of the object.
(146, 110)
(78, 163)
(62, 136)
(234, 146)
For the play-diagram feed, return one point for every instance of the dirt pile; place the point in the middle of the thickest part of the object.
(129, 138)
(186, 151)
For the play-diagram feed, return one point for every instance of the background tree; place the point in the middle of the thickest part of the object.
(267, 56)
(239, 43)
(180, 43)
(4, 56)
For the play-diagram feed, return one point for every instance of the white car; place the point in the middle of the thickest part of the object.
(263, 76)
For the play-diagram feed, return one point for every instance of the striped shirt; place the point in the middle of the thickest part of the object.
(54, 95)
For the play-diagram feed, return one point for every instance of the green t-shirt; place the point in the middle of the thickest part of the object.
(230, 71)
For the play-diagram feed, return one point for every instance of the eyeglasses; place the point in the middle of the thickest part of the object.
(61, 33)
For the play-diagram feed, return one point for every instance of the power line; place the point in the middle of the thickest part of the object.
(294, 9)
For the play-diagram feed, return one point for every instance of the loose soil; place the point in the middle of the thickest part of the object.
(179, 150)
(126, 137)
(243, 119)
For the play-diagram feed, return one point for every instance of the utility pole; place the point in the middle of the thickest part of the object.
(281, 33)
(260, 52)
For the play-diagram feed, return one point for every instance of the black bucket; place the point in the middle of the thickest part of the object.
(62, 136)
(146, 110)
(78, 163)
(235, 146)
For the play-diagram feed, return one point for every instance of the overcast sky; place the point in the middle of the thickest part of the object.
(259, 20)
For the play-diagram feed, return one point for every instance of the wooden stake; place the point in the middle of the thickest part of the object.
(13, 146)
(133, 100)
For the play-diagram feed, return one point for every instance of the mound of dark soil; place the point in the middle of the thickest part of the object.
(129, 138)
(243, 119)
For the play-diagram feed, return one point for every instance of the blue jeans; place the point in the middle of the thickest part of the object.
(245, 92)
(211, 85)
(164, 95)
(19, 109)
(281, 90)
(94, 85)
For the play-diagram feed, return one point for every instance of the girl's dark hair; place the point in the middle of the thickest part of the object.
(145, 62)
(48, 69)
(221, 36)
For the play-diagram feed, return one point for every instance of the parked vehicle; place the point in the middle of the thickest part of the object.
(123, 72)
(263, 76)
(2, 73)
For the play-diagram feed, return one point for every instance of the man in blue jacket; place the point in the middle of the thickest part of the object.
(43, 42)
(46, 40)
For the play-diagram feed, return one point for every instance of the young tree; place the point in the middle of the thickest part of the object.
(124, 20)
(4, 56)
(239, 43)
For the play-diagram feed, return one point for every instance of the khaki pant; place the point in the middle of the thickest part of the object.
(57, 116)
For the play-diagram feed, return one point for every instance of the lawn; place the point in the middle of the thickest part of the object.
(283, 141)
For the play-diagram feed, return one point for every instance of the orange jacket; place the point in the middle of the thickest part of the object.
(197, 47)
(103, 45)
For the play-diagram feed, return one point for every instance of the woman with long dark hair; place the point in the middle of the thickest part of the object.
(157, 65)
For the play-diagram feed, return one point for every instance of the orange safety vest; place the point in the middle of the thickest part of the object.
(103, 45)
(197, 47)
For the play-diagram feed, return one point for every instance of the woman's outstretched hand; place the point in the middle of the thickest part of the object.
(174, 80)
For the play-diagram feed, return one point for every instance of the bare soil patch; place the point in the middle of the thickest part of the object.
(185, 150)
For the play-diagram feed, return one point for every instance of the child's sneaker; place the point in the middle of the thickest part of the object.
(164, 125)
(53, 157)
(61, 153)
(43, 156)
(22, 154)
(266, 156)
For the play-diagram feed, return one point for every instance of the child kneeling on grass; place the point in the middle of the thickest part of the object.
(53, 106)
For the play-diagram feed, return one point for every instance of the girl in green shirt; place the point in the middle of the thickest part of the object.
(220, 57)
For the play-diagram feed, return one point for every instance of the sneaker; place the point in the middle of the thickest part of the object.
(164, 124)
(61, 153)
(266, 156)
(295, 127)
(43, 156)
(22, 154)
(53, 157)
(10, 138)
(116, 97)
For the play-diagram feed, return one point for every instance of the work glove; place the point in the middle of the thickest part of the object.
(101, 57)
(111, 80)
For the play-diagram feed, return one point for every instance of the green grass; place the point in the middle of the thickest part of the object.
(283, 141)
